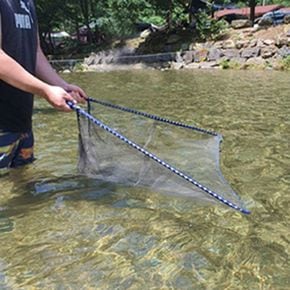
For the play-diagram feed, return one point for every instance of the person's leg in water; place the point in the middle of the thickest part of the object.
(16, 149)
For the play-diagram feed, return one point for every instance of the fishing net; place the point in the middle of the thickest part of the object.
(125, 146)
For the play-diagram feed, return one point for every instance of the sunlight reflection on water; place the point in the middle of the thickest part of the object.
(59, 230)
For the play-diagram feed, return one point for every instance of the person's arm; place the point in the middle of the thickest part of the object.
(45, 72)
(15, 75)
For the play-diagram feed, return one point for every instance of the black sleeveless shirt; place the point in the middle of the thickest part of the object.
(19, 41)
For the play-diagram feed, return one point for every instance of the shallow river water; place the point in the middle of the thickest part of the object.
(60, 230)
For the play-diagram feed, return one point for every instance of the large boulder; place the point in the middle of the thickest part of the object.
(229, 44)
(255, 61)
(200, 55)
(178, 58)
(176, 65)
(144, 34)
(91, 60)
(282, 40)
(188, 57)
(268, 51)
(250, 52)
(242, 43)
(241, 23)
(214, 54)
(284, 51)
(231, 53)
(269, 42)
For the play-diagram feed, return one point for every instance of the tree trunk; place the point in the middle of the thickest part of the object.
(85, 11)
(190, 16)
(169, 14)
(252, 4)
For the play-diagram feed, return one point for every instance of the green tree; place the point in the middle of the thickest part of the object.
(50, 17)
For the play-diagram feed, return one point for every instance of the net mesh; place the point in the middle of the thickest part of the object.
(133, 148)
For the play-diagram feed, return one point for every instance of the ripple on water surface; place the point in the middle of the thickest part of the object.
(59, 230)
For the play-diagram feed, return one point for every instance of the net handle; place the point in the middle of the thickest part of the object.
(100, 124)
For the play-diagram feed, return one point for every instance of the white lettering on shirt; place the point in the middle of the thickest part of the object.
(26, 9)
(22, 21)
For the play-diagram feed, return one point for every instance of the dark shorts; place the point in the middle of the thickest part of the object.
(16, 149)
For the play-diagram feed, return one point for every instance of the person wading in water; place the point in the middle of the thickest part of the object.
(25, 71)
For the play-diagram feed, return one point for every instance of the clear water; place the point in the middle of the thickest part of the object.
(59, 230)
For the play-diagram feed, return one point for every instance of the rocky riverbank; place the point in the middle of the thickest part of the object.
(267, 48)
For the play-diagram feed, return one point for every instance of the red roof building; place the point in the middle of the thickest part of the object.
(259, 11)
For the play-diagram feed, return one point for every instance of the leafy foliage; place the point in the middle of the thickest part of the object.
(113, 18)
(285, 63)
(209, 28)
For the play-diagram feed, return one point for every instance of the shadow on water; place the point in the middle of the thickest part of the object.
(74, 188)
(68, 187)
(32, 194)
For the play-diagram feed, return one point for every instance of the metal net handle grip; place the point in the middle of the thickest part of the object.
(153, 117)
(100, 124)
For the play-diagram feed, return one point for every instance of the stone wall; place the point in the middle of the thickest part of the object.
(245, 51)
(241, 54)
